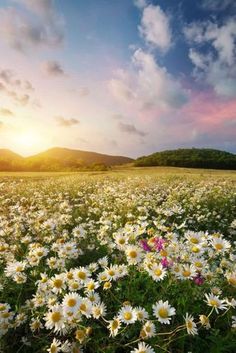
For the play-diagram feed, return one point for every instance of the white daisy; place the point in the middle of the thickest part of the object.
(127, 315)
(162, 311)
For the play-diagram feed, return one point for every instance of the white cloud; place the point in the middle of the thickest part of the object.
(218, 5)
(40, 25)
(155, 27)
(40, 7)
(216, 65)
(148, 85)
(140, 3)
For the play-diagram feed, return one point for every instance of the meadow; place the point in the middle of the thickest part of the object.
(136, 260)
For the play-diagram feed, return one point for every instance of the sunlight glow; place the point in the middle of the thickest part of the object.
(27, 142)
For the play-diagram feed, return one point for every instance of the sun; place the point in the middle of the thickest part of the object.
(27, 139)
(28, 142)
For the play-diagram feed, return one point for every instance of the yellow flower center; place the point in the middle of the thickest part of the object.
(71, 302)
(53, 349)
(91, 286)
(194, 240)
(218, 246)
(80, 335)
(214, 302)
(163, 313)
(133, 254)
(195, 249)
(189, 325)
(81, 275)
(158, 272)
(163, 253)
(83, 307)
(114, 324)
(56, 316)
(58, 283)
(128, 315)
(186, 273)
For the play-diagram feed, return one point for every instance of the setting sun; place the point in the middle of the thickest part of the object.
(27, 142)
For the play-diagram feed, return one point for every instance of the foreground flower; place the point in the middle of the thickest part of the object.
(127, 315)
(143, 348)
(162, 311)
(190, 325)
(55, 319)
(55, 346)
(215, 302)
(205, 321)
(114, 326)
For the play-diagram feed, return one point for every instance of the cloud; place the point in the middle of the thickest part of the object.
(52, 68)
(9, 78)
(17, 89)
(155, 28)
(147, 85)
(140, 4)
(218, 5)
(130, 129)
(6, 112)
(61, 121)
(33, 23)
(216, 64)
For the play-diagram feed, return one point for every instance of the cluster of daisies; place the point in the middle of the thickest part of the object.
(68, 246)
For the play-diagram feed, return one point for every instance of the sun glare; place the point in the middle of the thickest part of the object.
(28, 142)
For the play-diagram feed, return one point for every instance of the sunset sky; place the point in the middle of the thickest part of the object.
(127, 77)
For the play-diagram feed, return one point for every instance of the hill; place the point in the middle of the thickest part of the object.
(63, 158)
(59, 159)
(10, 160)
(190, 158)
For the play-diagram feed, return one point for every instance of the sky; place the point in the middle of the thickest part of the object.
(123, 77)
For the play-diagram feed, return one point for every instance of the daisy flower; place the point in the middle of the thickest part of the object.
(143, 348)
(142, 314)
(70, 304)
(220, 245)
(148, 330)
(55, 319)
(190, 325)
(55, 346)
(133, 254)
(127, 315)
(114, 326)
(99, 310)
(215, 302)
(157, 272)
(162, 311)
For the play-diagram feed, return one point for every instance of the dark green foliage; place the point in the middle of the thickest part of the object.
(190, 158)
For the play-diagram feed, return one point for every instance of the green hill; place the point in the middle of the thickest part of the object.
(190, 158)
(64, 158)
(59, 159)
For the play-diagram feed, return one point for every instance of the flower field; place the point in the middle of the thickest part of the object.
(118, 263)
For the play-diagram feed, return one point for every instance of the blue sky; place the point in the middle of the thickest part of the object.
(117, 76)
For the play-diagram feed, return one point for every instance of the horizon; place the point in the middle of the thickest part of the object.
(127, 78)
(108, 154)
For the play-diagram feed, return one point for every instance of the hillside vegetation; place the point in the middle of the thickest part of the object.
(190, 158)
(59, 159)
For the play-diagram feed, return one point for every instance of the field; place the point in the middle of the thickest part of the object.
(130, 260)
